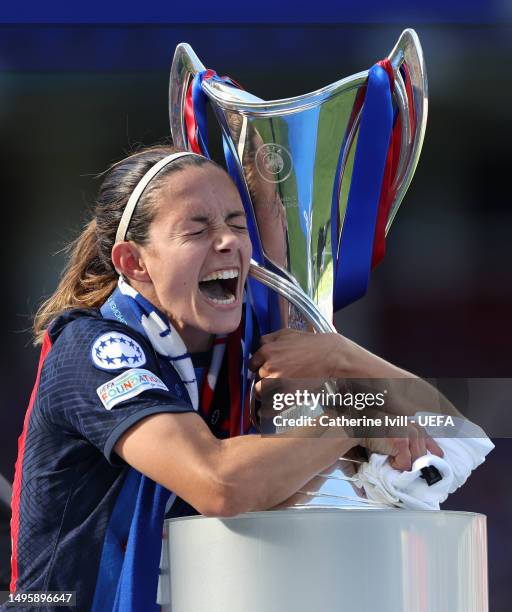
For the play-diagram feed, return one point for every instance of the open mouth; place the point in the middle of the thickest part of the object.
(220, 287)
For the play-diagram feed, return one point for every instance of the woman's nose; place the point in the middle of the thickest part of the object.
(225, 240)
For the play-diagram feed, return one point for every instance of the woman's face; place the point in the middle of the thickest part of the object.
(198, 254)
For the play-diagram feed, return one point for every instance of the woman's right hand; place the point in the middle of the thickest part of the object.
(403, 451)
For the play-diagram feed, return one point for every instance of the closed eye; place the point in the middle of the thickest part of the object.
(197, 233)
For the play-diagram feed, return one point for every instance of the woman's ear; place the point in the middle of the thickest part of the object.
(127, 261)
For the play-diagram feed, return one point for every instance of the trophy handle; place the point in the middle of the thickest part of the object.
(185, 65)
(408, 51)
(296, 296)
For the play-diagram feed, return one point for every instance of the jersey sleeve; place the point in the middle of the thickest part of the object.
(101, 378)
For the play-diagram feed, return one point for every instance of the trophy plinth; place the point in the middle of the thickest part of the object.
(328, 560)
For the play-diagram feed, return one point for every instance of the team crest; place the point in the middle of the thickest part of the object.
(114, 350)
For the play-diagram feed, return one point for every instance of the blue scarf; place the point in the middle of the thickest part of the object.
(138, 579)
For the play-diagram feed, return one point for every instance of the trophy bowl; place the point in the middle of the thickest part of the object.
(299, 164)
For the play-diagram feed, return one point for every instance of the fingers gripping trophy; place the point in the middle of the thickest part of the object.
(321, 176)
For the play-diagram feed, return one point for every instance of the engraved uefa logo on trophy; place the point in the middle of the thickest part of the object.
(273, 163)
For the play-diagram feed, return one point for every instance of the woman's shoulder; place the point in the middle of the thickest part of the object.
(80, 322)
(85, 331)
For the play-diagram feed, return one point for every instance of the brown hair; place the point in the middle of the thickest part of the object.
(89, 276)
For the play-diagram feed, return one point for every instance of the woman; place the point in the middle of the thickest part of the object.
(122, 415)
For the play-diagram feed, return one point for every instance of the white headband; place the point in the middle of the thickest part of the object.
(139, 189)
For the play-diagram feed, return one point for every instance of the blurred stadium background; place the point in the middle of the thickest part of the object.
(73, 99)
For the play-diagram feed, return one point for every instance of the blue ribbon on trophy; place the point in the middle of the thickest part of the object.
(263, 301)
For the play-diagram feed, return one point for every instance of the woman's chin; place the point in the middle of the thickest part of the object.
(226, 326)
(224, 322)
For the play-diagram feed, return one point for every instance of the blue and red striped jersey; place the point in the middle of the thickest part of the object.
(74, 498)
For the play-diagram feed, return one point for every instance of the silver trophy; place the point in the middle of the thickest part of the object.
(294, 161)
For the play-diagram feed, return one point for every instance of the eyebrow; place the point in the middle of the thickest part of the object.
(229, 217)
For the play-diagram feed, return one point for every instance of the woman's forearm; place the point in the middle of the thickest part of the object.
(227, 477)
(261, 471)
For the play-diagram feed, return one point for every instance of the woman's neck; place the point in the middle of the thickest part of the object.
(196, 340)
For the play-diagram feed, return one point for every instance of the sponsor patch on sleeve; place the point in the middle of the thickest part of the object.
(128, 385)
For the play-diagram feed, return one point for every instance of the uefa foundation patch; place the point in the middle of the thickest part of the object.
(128, 385)
(114, 350)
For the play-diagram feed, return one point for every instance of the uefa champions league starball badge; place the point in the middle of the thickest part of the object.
(115, 350)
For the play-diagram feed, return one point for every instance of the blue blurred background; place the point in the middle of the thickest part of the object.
(75, 98)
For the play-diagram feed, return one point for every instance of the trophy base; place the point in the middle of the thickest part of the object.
(333, 560)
